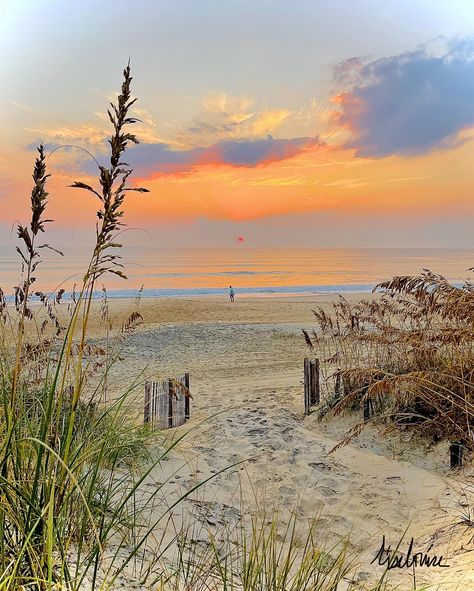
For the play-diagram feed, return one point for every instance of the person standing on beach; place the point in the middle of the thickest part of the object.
(231, 293)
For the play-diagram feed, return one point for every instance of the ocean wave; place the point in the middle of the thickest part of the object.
(214, 291)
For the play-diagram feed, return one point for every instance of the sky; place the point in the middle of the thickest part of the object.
(279, 122)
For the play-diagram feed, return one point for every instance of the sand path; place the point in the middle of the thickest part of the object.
(246, 380)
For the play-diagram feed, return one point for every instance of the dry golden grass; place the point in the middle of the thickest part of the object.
(410, 353)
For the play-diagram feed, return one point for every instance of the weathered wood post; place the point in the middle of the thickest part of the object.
(455, 454)
(367, 409)
(146, 409)
(187, 406)
(307, 384)
(311, 384)
(368, 406)
(170, 402)
(315, 388)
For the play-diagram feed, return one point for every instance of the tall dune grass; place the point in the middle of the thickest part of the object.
(409, 352)
(70, 468)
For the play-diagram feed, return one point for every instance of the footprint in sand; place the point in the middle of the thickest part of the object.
(321, 466)
(293, 455)
(287, 490)
(326, 491)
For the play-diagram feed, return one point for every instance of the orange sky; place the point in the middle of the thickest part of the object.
(325, 179)
(246, 129)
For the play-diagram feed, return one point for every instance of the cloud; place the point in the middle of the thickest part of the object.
(220, 102)
(405, 179)
(225, 117)
(158, 159)
(408, 104)
(227, 132)
(221, 116)
(269, 121)
(274, 181)
(94, 137)
(346, 70)
(348, 183)
(91, 134)
(21, 106)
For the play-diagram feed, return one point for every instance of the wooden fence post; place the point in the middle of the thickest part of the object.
(170, 402)
(311, 384)
(368, 406)
(187, 409)
(315, 391)
(367, 409)
(146, 410)
(307, 383)
(455, 454)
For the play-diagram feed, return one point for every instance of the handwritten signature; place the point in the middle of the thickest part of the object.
(393, 559)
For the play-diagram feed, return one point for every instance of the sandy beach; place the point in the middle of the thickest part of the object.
(246, 369)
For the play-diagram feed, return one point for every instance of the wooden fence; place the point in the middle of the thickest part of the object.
(312, 397)
(167, 402)
(312, 389)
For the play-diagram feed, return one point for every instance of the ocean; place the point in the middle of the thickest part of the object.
(251, 271)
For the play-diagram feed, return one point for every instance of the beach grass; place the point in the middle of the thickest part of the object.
(70, 465)
(409, 353)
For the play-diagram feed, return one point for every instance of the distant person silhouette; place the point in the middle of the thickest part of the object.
(231, 293)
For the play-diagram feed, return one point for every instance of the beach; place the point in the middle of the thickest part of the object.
(249, 436)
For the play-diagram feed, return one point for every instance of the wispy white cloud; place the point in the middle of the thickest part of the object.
(225, 117)
(233, 180)
(275, 181)
(404, 179)
(268, 121)
(21, 106)
(84, 133)
(348, 183)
